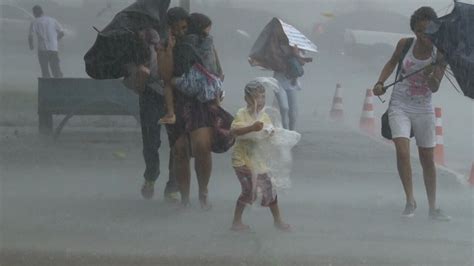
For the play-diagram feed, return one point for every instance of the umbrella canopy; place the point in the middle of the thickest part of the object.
(118, 44)
(453, 35)
(142, 13)
(273, 45)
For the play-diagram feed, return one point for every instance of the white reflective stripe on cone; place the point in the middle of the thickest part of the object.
(439, 140)
(368, 114)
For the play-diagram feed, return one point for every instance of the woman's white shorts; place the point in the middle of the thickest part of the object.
(423, 125)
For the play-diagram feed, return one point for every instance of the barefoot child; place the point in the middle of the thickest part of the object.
(251, 126)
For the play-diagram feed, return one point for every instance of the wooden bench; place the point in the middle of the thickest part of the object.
(82, 96)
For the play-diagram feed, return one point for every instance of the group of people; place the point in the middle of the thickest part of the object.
(197, 128)
(193, 131)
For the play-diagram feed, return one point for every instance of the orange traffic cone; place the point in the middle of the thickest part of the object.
(337, 109)
(439, 149)
(471, 178)
(367, 119)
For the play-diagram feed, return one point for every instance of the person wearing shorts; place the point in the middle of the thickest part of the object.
(411, 108)
(251, 125)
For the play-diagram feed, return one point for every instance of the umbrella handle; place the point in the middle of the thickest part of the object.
(405, 77)
(409, 75)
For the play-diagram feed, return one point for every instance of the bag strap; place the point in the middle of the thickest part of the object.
(209, 76)
(405, 50)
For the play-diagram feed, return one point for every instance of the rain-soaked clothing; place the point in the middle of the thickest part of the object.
(244, 153)
(264, 183)
(191, 114)
(204, 47)
(250, 167)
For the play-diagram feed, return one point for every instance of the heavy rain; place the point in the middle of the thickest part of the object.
(218, 132)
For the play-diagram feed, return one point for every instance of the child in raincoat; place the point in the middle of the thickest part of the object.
(251, 126)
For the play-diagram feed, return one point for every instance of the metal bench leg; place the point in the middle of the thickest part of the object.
(61, 125)
(45, 123)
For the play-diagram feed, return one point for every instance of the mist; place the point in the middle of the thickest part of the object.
(75, 199)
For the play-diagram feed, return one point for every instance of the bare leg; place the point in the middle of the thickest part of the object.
(237, 224)
(181, 167)
(169, 117)
(201, 146)
(402, 146)
(429, 175)
(277, 221)
(276, 213)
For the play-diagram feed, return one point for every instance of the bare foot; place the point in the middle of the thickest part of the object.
(283, 226)
(205, 205)
(240, 227)
(168, 119)
(183, 206)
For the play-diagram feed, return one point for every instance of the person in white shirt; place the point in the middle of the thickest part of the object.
(48, 32)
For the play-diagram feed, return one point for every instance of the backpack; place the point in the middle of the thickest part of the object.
(386, 131)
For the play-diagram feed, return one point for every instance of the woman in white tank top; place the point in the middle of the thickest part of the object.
(413, 94)
(411, 108)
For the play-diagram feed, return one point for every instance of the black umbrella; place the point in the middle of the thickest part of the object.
(118, 43)
(453, 35)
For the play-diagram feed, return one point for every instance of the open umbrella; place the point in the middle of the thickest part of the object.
(453, 35)
(118, 44)
(273, 46)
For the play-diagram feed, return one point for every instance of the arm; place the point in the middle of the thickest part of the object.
(60, 35)
(166, 60)
(435, 73)
(388, 68)
(59, 30)
(240, 131)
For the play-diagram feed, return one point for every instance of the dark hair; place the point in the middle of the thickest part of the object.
(421, 14)
(198, 23)
(37, 11)
(253, 87)
(176, 14)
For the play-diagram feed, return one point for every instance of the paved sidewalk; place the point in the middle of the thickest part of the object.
(77, 202)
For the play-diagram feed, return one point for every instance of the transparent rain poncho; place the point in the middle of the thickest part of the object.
(270, 152)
